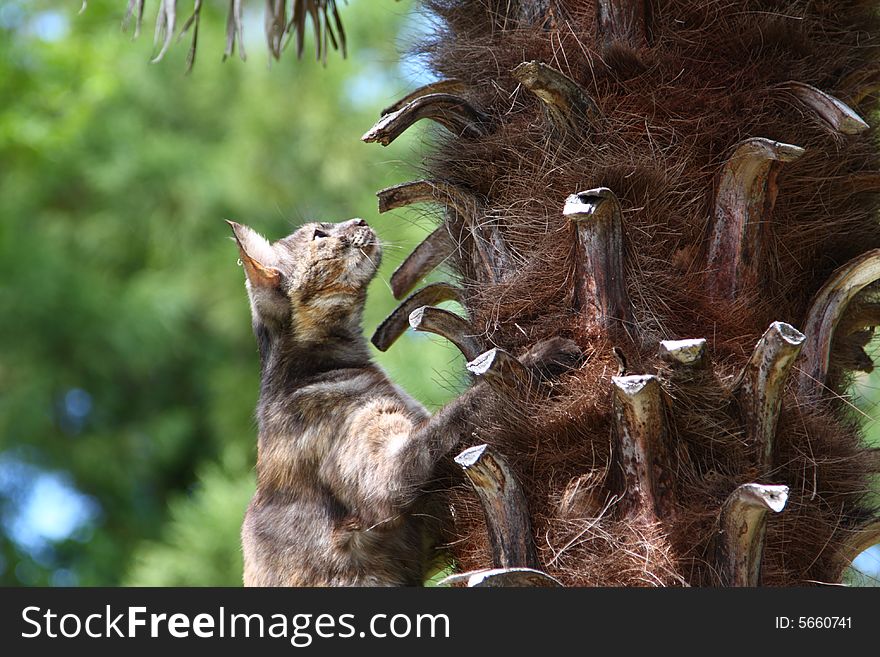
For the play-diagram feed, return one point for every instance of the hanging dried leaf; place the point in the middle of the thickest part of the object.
(324, 16)
(234, 31)
(166, 21)
(276, 24)
(135, 8)
(192, 21)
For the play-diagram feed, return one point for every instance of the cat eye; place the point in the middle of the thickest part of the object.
(319, 233)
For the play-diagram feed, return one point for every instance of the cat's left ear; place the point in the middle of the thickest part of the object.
(257, 256)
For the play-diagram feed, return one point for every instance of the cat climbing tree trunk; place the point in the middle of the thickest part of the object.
(660, 181)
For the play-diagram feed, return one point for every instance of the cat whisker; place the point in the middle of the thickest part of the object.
(389, 245)
(376, 267)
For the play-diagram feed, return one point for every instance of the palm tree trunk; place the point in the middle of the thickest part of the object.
(688, 189)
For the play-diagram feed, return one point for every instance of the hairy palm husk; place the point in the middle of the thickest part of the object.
(718, 236)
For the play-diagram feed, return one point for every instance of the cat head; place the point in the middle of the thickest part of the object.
(312, 282)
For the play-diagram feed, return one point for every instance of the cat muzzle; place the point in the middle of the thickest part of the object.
(363, 236)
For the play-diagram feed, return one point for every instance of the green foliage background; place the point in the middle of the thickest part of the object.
(128, 372)
(119, 282)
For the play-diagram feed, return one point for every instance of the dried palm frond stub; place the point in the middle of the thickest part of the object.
(507, 516)
(437, 247)
(452, 112)
(742, 527)
(501, 577)
(689, 354)
(601, 292)
(453, 87)
(743, 205)
(398, 321)
(826, 312)
(427, 191)
(431, 319)
(859, 539)
(500, 369)
(568, 105)
(835, 113)
(763, 384)
(432, 251)
(640, 430)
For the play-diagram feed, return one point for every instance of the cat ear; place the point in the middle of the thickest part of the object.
(257, 256)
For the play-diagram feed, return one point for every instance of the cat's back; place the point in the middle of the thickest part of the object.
(343, 392)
